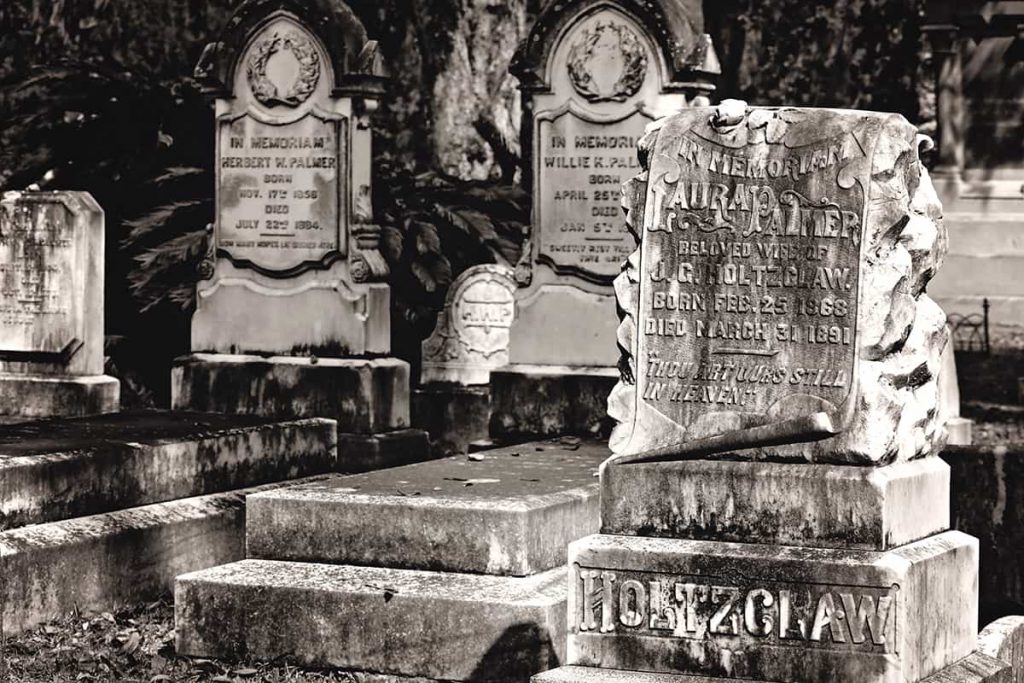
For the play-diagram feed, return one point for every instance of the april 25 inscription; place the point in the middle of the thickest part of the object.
(279, 193)
(582, 165)
(749, 270)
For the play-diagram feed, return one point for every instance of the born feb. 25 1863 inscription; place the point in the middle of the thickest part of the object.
(744, 294)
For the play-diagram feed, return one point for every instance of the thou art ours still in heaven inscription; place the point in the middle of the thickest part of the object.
(748, 279)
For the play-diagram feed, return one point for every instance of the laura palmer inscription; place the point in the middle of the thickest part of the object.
(749, 270)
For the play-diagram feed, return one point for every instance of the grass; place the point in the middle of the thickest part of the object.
(134, 645)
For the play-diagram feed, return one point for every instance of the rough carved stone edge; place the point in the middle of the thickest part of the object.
(622, 399)
(921, 238)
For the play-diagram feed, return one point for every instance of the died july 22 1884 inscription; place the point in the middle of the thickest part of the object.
(744, 298)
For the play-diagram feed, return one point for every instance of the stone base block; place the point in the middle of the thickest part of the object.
(363, 453)
(514, 512)
(976, 668)
(455, 416)
(960, 431)
(585, 674)
(827, 506)
(59, 469)
(42, 396)
(363, 395)
(534, 401)
(774, 613)
(393, 621)
(101, 562)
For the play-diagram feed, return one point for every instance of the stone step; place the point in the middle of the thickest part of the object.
(586, 674)
(100, 562)
(508, 511)
(453, 627)
(975, 668)
(66, 468)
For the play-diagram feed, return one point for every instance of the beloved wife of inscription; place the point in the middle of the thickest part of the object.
(776, 305)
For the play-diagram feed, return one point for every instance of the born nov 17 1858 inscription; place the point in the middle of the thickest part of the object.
(748, 314)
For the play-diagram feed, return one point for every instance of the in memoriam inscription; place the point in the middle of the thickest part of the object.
(749, 275)
(582, 165)
(37, 282)
(280, 192)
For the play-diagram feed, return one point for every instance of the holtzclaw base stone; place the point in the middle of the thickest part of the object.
(776, 613)
(821, 506)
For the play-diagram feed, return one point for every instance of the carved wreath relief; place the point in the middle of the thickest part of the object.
(269, 93)
(607, 63)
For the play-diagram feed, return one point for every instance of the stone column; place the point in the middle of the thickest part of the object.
(945, 43)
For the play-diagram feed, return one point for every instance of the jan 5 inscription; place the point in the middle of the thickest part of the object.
(583, 163)
(745, 303)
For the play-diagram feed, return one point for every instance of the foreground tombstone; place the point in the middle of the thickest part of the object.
(593, 75)
(293, 314)
(51, 339)
(774, 509)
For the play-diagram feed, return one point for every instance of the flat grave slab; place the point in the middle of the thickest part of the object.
(103, 561)
(509, 511)
(393, 621)
(64, 468)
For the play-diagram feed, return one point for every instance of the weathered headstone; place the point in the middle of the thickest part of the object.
(774, 510)
(593, 74)
(293, 303)
(453, 402)
(471, 336)
(51, 337)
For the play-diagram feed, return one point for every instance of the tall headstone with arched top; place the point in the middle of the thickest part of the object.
(293, 311)
(594, 74)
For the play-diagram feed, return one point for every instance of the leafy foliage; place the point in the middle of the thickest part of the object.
(130, 645)
(827, 53)
(433, 228)
(96, 95)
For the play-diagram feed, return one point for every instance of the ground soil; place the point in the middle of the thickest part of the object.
(134, 645)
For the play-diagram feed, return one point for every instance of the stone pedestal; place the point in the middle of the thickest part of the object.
(39, 396)
(533, 401)
(455, 416)
(369, 399)
(771, 572)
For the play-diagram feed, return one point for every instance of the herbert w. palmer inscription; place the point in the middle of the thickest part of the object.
(706, 608)
(749, 271)
(280, 192)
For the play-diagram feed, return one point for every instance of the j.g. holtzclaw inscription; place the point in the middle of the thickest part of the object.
(749, 273)
(731, 614)
(280, 191)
